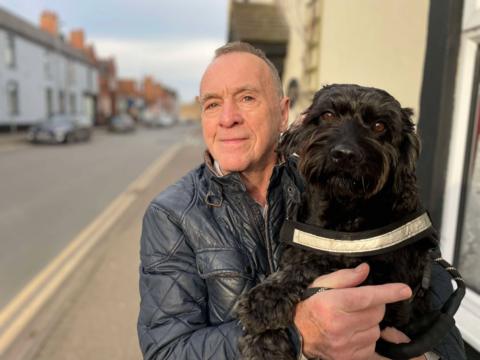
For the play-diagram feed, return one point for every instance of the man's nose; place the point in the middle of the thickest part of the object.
(230, 114)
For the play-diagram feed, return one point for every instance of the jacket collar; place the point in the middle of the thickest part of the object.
(232, 181)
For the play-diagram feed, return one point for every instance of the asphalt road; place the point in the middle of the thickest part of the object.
(98, 319)
(48, 194)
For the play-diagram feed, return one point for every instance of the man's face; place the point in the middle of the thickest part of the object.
(242, 114)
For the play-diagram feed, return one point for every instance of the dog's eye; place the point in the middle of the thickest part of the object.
(328, 116)
(379, 127)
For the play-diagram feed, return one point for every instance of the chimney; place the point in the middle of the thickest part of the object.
(77, 39)
(49, 22)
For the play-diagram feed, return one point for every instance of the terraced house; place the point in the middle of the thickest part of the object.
(42, 74)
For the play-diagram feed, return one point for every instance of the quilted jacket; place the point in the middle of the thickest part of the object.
(204, 243)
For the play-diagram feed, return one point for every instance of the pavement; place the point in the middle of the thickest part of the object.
(12, 140)
(94, 315)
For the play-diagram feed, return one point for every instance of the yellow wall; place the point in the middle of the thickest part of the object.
(378, 43)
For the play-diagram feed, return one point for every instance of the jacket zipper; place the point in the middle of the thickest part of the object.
(268, 243)
(255, 219)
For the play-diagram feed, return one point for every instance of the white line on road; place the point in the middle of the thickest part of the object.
(22, 309)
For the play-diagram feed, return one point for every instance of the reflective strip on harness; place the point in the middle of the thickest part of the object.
(371, 244)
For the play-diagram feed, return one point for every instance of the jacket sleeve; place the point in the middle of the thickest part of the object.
(451, 348)
(173, 319)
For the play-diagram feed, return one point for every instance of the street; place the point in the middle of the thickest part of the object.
(92, 315)
(50, 193)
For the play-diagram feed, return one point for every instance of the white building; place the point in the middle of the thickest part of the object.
(41, 74)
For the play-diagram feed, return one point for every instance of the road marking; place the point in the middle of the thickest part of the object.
(21, 309)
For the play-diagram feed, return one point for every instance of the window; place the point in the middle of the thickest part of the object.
(47, 65)
(468, 256)
(61, 102)
(12, 98)
(71, 72)
(10, 58)
(49, 102)
(460, 230)
(73, 104)
(89, 79)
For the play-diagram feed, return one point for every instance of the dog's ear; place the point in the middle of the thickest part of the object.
(409, 150)
(292, 139)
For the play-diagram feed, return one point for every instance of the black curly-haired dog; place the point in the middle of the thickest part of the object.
(357, 151)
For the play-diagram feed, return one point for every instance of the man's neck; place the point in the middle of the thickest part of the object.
(257, 183)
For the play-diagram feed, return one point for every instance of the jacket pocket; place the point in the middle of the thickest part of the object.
(221, 262)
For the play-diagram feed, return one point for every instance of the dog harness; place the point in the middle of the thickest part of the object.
(412, 228)
(365, 243)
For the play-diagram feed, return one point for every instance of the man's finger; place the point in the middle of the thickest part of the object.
(364, 297)
(344, 278)
(395, 336)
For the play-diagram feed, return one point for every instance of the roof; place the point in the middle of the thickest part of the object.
(23, 28)
(257, 22)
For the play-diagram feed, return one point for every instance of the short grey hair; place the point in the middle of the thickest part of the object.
(243, 47)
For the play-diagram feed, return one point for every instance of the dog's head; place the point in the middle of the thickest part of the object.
(353, 141)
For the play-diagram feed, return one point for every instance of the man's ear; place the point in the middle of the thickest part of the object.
(284, 109)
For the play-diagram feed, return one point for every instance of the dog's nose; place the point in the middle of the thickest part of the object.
(343, 154)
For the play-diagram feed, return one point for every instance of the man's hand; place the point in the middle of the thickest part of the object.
(342, 323)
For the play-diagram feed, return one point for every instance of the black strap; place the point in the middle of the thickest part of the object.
(435, 325)
(312, 291)
(421, 344)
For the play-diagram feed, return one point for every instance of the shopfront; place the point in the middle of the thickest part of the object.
(460, 232)
(449, 167)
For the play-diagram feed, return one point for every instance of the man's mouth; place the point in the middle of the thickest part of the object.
(232, 141)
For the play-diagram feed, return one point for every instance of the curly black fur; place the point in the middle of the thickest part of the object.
(358, 150)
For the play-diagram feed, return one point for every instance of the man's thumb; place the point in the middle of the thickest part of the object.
(344, 278)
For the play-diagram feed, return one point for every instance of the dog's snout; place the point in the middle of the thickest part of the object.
(344, 154)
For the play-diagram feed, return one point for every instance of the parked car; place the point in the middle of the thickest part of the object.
(122, 123)
(60, 129)
(157, 118)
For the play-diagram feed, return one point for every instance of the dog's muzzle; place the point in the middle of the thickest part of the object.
(408, 230)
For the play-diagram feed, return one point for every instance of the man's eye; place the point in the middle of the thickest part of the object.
(248, 98)
(328, 116)
(210, 106)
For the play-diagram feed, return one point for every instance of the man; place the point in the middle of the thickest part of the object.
(214, 234)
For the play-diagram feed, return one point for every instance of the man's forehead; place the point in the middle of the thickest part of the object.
(239, 69)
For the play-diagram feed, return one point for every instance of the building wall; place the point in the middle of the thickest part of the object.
(33, 78)
(294, 12)
(370, 42)
(377, 43)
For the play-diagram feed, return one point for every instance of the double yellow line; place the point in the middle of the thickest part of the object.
(22, 309)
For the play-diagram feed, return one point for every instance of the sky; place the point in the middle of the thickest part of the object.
(171, 40)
